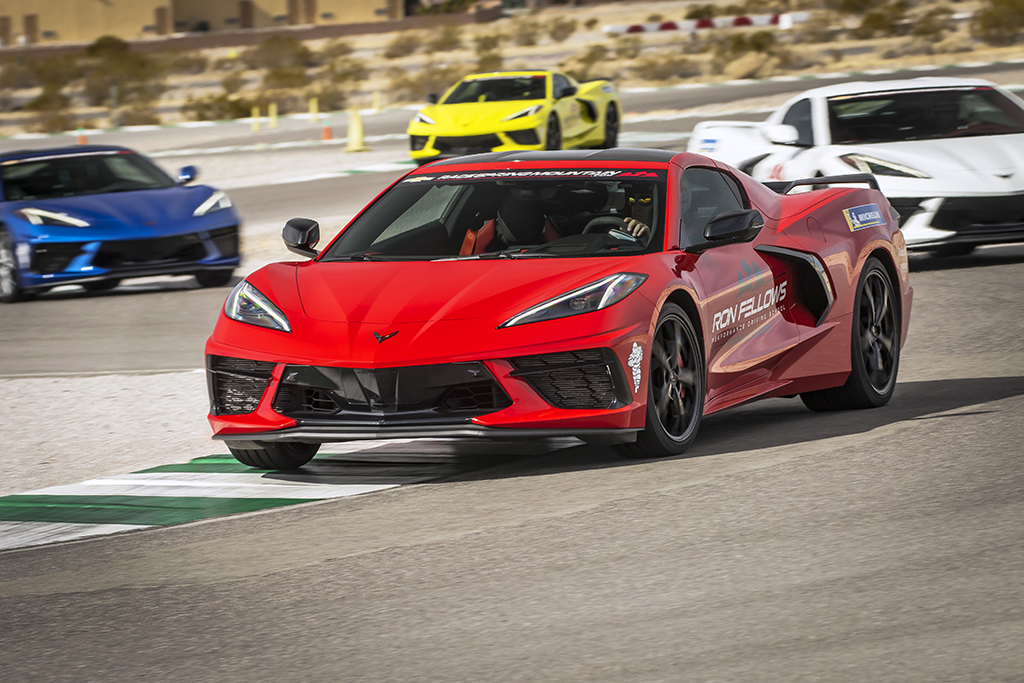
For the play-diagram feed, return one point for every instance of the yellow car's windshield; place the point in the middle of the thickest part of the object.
(499, 89)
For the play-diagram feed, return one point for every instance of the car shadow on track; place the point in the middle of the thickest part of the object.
(765, 424)
(1006, 254)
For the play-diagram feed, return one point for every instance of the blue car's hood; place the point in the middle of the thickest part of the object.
(151, 211)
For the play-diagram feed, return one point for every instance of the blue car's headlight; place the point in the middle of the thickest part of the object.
(216, 202)
(592, 297)
(44, 217)
(246, 304)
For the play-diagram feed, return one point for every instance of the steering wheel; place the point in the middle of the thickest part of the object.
(604, 223)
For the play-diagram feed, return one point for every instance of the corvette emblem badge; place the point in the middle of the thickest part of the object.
(381, 338)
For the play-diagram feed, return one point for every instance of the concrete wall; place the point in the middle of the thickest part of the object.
(50, 21)
(220, 15)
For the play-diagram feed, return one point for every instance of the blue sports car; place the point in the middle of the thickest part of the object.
(91, 215)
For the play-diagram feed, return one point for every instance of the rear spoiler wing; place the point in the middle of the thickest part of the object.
(784, 186)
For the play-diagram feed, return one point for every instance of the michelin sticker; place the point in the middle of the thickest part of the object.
(636, 358)
(866, 216)
(707, 145)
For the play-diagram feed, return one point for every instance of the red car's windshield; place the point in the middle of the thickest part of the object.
(923, 114)
(510, 214)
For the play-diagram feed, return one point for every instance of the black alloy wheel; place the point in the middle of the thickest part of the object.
(275, 455)
(874, 347)
(214, 278)
(611, 127)
(675, 389)
(10, 289)
(553, 140)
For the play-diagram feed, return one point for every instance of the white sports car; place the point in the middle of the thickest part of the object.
(947, 152)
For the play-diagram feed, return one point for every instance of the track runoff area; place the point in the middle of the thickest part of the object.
(218, 485)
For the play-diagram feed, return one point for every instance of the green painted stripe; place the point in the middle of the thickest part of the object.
(151, 510)
(207, 463)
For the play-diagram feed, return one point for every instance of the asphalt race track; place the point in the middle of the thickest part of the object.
(881, 545)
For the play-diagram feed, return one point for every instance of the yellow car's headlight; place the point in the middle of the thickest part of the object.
(529, 111)
(423, 118)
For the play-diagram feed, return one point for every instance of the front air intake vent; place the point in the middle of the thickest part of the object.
(236, 384)
(590, 379)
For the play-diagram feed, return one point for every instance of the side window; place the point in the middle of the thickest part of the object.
(799, 116)
(558, 84)
(703, 194)
(433, 204)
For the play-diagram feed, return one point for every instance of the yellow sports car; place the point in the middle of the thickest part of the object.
(507, 110)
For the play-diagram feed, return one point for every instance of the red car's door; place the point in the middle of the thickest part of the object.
(745, 327)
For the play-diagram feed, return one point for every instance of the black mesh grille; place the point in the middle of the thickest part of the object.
(226, 240)
(55, 257)
(467, 144)
(414, 392)
(417, 142)
(524, 137)
(574, 380)
(236, 384)
(162, 250)
(981, 214)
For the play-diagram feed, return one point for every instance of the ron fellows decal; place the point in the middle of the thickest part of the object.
(866, 216)
(741, 314)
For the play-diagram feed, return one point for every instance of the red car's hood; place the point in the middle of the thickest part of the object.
(418, 291)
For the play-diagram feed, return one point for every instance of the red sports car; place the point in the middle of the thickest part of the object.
(614, 296)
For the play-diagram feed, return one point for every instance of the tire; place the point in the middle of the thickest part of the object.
(611, 127)
(553, 138)
(275, 455)
(101, 285)
(10, 287)
(675, 389)
(214, 278)
(874, 347)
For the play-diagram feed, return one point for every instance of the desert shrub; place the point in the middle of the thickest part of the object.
(581, 64)
(591, 23)
(487, 43)
(489, 61)
(447, 39)
(933, 24)
(216, 108)
(430, 79)
(276, 52)
(524, 32)
(138, 115)
(402, 45)
(328, 97)
(54, 122)
(285, 77)
(185, 63)
(594, 54)
(233, 82)
(334, 50)
(854, 6)
(446, 7)
(560, 29)
(732, 45)
(664, 65)
(628, 47)
(887, 21)
(50, 100)
(16, 76)
(226, 64)
(348, 71)
(700, 12)
(822, 27)
(999, 22)
(654, 17)
(116, 76)
(56, 71)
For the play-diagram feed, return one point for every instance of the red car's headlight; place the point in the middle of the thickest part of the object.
(592, 297)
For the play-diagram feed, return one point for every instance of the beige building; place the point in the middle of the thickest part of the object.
(27, 22)
(218, 15)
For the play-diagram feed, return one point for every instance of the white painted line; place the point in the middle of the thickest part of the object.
(182, 489)
(25, 534)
